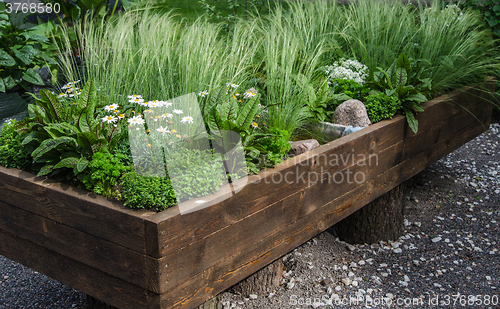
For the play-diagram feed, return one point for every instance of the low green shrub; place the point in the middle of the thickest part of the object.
(104, 171)
(380, 106)
(141, 192)
(12, 152)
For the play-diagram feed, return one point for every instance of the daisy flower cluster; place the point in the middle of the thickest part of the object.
(160, 119)
(115, 113)
(347, 69)
(69, 90)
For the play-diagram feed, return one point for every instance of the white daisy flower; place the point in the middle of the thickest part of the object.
(111, 107)
(232, 85)
(177, 111)
(255, 125)
(136, 120)
(109, 119)
(164, 104)
(120, 116)
(166, 115)
(62, 95)
(249, 94)
(134, 96)
(187, 119)
(136, 100)
(162, 130)
(203, 93)
(154, 104)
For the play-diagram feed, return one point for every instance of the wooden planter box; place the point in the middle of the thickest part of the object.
(142, 259)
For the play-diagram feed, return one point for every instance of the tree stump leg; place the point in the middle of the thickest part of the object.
(94, 303)
(214, 303)
(262, 282)
(379, 220)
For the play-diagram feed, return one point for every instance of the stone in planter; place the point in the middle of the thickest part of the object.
(351, 113)
(299, 147)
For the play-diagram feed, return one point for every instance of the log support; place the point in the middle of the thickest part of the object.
(379, 220)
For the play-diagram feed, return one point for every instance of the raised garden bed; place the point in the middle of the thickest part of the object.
(142, 259)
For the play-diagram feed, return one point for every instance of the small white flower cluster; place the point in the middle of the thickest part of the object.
(163, 129)
(135, 98)
(69, 90)
(347, 69)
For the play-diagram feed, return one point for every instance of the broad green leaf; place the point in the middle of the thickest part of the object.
(32, 76)
(53, 107)
(387, 78)
(2, 85)
(418, 97)
(49, 144)
(404, 62)
(70, 162)
(82, 164)
(5, 59)
(86, 140)
(88, 97)
(29, 138)
(247, 113)
(228, 110)
(9, 82)
(34, 110)
(45, 170)
(48, 59)
(400, 74)
(214, 122)
(412, 122)
(492, 22)
(36, 37)
(26, 53)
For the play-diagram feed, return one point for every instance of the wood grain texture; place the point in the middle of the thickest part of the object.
(80, 276)
(80, 209)
(103, 255)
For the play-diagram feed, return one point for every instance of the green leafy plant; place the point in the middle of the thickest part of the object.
(229, 12)
(104, 171)
(398, 81)
(65, 136)
(276, 146)
(489, 9)
(226, 113)
(345, 89)
(22, 50)
(380, 106)
(12, 152)
(141, 192)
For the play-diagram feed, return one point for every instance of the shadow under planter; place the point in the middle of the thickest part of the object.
(142, 259)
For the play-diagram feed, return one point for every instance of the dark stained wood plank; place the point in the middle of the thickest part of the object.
(80, 209)
(232, 269)
(96, 283)
(106, 256)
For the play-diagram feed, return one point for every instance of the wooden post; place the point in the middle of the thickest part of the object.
(94, 303)
(262, 282)
(379, 220)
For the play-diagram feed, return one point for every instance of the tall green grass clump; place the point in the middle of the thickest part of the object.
(158, 57)
(460, 51)
(378, 31)
(291, 56)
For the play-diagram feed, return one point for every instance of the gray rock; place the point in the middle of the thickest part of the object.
(299, 147)
(351, 113)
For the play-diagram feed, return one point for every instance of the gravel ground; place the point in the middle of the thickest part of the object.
(448, 256)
